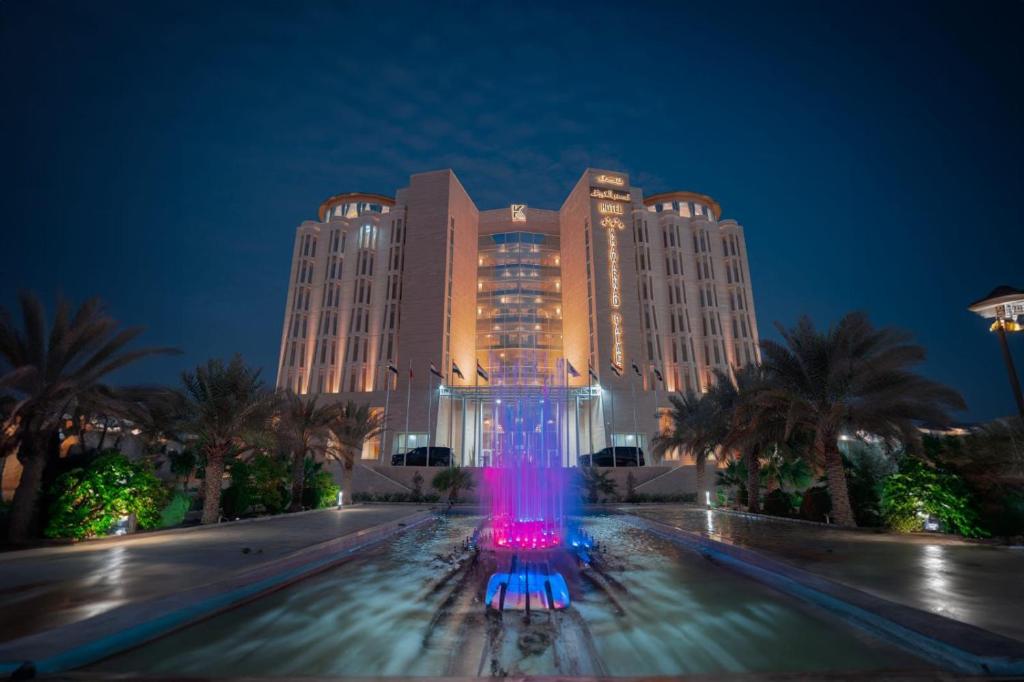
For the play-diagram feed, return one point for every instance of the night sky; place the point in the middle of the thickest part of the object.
(160, 154)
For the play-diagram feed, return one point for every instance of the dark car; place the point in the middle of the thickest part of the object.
(625, 456)
(417, 457)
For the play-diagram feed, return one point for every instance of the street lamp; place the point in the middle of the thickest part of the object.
(1004, 304)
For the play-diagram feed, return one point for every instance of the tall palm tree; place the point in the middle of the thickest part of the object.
(696, 427)
(850, 378)
(353, 425)
(304, 429)
(51, 369)
(752, 430)
(228, 410)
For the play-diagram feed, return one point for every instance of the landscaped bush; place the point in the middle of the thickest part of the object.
(918, 491)
(867, 465)
(779, 503)
(173, 514)
(732, 481)
(261, 483)
(319, 489)
(663, 498)
(816, 504)
(593, 483)
(453, 480)
(394, 497)
(89, 501)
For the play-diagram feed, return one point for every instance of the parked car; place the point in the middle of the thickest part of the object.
(417, 457)
(625, 456)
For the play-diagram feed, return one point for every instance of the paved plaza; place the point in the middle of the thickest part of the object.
(971, 582)
(48, 587)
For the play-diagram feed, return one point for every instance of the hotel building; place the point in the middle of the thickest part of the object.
(602, 307)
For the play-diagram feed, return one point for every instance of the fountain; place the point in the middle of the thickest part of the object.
(525, 496)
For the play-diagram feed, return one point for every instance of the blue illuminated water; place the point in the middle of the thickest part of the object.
(409, 607)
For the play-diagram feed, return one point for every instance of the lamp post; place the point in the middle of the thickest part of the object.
(1004, 304)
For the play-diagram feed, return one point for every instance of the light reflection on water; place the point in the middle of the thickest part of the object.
(682, 614)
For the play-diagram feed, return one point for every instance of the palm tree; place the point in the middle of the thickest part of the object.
(452, 480)
(304, 429)
(752, 429)
(52, 369)
(352, 426)
(850, 378)
(696, 427)
(593, 483)
(228, 410)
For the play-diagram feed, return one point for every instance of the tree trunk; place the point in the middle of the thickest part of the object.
(211, 484)
(25, 508)
(298, 480)
(347, 482)
(701, 463)
(842, 512)
(753, 480)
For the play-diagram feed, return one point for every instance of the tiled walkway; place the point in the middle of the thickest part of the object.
(978, 584)
(44, 588)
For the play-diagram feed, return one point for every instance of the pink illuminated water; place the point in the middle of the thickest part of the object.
(525, 486)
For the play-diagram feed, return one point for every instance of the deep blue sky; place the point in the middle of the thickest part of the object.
(161, 154)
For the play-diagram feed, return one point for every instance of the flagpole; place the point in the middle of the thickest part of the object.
(387, 404)
(611, 409)
(451, 460)
(476, 414)
(408, 397)
(430, 408)
(636, 429)
(565, 459)
(590, 410)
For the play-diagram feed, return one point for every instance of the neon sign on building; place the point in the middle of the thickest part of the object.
(610, 211)
(599, 193)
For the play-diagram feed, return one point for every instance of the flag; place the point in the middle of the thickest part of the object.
(591, 372)
(616, 369)
(456, 371)
(481, 372)
(637, 370)
(411, 375)
(570, 369)
(658, 375)
(433, 370)
(392, 368)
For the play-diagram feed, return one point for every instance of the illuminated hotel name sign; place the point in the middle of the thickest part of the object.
(598, 193)
(611, 213)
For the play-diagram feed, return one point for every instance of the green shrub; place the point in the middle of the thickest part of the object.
(779, 503)
(816, 504)
(918, 489)
(261, 483)
(89, 501)
(183, 465)
(173, 514)
(452, 480)
(319, 489)
(395, 497)
(663, 498)
(593, 483)
(1004, 515)
(732, 479)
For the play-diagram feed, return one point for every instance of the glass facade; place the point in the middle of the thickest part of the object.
(519, 308)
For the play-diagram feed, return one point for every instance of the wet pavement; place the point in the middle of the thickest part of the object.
(44, 588)
(974, 583)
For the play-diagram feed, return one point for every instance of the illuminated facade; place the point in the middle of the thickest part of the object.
(602, 307)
